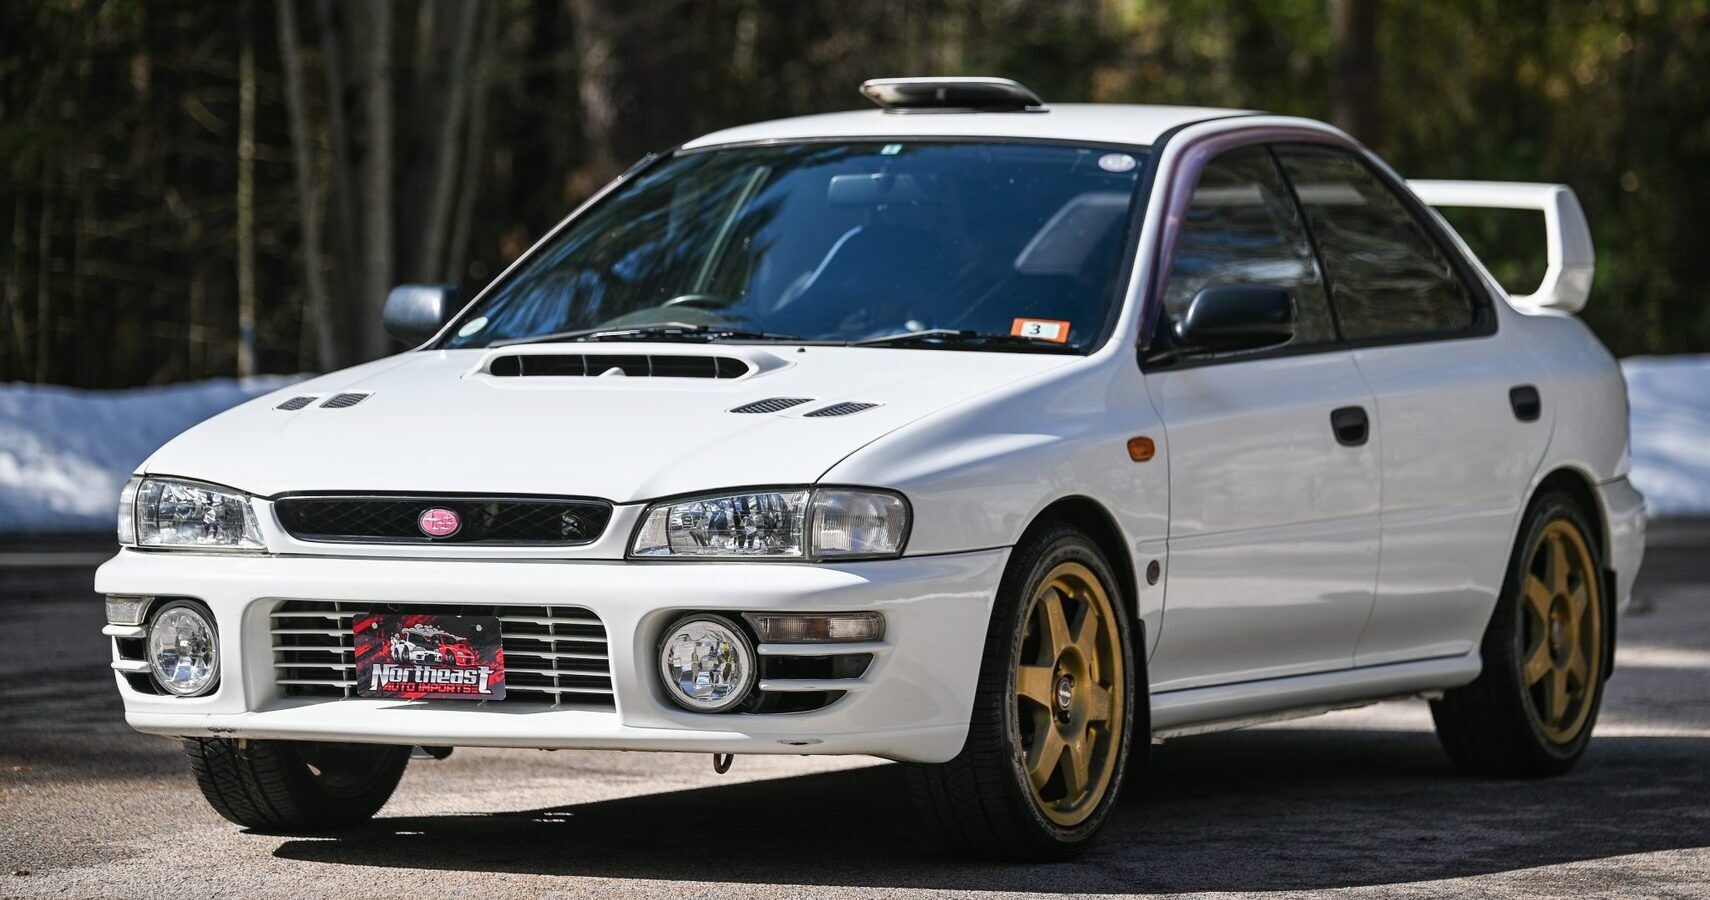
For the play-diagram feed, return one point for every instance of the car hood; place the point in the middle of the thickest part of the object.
(441, 421)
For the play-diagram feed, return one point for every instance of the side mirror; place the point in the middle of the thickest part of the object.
(1237, 317)
(416, 312)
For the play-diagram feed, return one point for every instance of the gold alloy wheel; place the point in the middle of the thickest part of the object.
(1561, 631)
(1069, 694)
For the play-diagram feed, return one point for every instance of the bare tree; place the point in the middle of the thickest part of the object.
(347, 315)
(15, 282)
(376, 173)
(454, 87)
(474, 146)
(246, 361)
(1354, 32)
(308, 197)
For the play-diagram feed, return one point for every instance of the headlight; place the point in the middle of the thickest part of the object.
(170, 513)
(183, 649)
(814, 524)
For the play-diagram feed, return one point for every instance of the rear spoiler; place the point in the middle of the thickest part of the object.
(1570, 261)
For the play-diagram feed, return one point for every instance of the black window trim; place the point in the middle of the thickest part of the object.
(1276, 138)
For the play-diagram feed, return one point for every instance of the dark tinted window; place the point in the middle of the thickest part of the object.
(834, 241)
(1242, 228)
(1387, 276)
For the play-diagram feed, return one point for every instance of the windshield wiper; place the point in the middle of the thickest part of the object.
(662, 330)
(961, 338)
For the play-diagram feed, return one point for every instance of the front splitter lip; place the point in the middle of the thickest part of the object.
(566, 730)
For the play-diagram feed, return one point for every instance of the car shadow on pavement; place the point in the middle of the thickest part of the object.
(1284, 809)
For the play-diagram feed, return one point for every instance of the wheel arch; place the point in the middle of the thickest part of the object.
(1578, 485)
(1091, 517)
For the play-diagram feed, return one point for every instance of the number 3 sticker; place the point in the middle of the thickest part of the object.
(1044, 329)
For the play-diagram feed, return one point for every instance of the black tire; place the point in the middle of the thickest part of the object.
(293, 786)
(981, 802)
(1493, 726)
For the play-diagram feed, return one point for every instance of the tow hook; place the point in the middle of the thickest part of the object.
(721, 762)
(429, 752)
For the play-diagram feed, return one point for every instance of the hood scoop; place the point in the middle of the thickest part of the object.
(595, 365)
(296, 403)
(775, 404)
(344, 401)
(846, 408)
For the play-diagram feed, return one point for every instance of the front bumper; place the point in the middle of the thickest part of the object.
(912, 703)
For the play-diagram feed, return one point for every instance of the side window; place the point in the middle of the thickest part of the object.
(1242, 228)
(1387, 276)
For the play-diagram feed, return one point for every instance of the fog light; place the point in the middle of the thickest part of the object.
(123, 610)
(775, 628)
(183, 649)
(707, 663)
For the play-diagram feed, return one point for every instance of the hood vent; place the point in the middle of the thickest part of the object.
(594, 365)
(775, 404)
(344, 401)
(295, 403)
(838, 409)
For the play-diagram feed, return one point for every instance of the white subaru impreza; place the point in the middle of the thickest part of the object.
(993, 437)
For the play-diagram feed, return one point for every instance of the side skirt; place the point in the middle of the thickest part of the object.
(1226, 706)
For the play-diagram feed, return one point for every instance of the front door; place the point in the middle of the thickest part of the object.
(1274, 491)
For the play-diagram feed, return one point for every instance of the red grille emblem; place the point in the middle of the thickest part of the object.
(438, 522)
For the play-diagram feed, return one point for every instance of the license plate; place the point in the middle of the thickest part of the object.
(429, 657)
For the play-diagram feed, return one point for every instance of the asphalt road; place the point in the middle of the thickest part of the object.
(1356, 803)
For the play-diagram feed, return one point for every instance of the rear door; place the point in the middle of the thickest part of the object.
(1273, 541)
(1457, 444)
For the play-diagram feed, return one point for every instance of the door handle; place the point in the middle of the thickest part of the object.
(1528, 406)
(1351, 425)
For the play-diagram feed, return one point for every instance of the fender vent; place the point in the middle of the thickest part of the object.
(594, 365)
(343, 401)
(838, 409)
(775, 404)
(295, 403)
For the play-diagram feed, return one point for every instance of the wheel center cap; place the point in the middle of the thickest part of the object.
(1065, 692)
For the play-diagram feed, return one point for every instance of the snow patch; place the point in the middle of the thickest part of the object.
(65, 453)
(1670, 401)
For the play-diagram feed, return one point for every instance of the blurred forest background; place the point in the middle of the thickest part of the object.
(193, 189)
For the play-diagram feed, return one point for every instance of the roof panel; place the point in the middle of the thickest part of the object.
(1093, 122)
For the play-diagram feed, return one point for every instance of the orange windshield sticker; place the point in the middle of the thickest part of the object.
(1044, 329)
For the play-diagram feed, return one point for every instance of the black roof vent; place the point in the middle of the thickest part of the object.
(595, 365)
(295, 403)
(838, 409)
(971, 94)
(775, 404)
(344, 401)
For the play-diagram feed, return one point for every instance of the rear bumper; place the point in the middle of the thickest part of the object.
(1624, 509)
(912, 703)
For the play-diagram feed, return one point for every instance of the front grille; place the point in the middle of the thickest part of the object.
(554, 655)
(514, 521)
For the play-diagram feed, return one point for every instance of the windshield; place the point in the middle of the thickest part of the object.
(836, 242)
